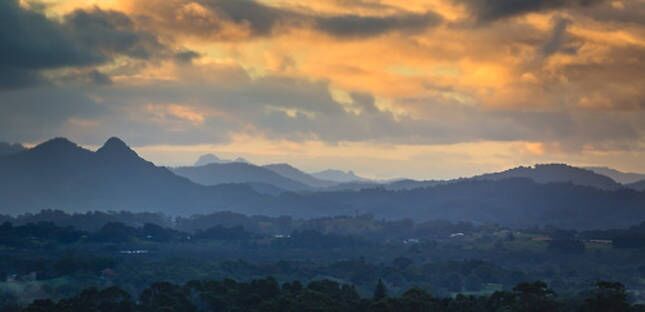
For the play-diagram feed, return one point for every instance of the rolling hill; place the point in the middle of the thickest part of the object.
(8, 148)
(296, 174)
(555, 173)
(639, 185)
(618, 176)
(238, 172)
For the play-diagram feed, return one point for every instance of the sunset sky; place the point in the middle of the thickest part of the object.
(388, 88)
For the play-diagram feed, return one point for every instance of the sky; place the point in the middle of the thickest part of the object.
(421, 89)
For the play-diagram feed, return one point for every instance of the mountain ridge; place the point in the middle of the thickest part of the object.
(555, 173)
(238, 172)
(339, 176)
(298, 175)
(617, 175)
(59, 174)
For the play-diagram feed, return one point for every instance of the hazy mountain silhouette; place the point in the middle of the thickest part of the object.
(638, 185)
(296, 174)
(408, 184)
(212, 159)
(618, 176)
(238, 172)
(207, 159)
(59, 174)
(354, 186)
(517, 202)
(338, 176)
(8, 148)
(550, 173)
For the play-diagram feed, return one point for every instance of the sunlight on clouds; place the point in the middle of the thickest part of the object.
(375, 160)
(171, 113)
(555, 78)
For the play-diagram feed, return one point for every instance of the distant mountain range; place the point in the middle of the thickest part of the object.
(212, 170)
(212, 159)
(556, 173)
(8, 149)
(238, 172)
(59, 174)
(295, 174)
(618, 176)
(639, 186)
(338, 176)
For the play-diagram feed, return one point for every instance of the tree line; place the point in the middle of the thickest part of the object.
(266, 294)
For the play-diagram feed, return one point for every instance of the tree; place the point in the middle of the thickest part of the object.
(415, 299)
(380, 291)
(607, 297)
(163, 296)
(536, 296)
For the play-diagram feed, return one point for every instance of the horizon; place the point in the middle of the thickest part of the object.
(231, 156)
(442, 88)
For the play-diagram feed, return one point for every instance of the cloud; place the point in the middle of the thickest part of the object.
(111, 33)
(558, 36)
(565, 74)
(32, 43)
(491, 10)
(186, 57)
(243, 19)
(355, 26)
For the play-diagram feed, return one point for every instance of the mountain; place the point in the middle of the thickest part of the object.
(407, 184)
(639, 185)
(618, 176)
(59, 174)
(212, 159)
(296, 174)
(338, 176)
(238, 172)
(207, 159)
(241, 160)
(8, 148)
(554, 173)
(515, 202)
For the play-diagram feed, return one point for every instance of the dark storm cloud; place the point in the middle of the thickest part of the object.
(111, 33)
(626, 13)
(284, 108)
(491, 10)
(261, 20)
(365, 26)
(556, 41)
(30, 42)
(186, 57)
(99, 78)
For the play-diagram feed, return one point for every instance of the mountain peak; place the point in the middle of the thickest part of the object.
(339, 176)
(207, 159)
(115, 147)
(58, 149)
(240, 160)
(56, 144)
